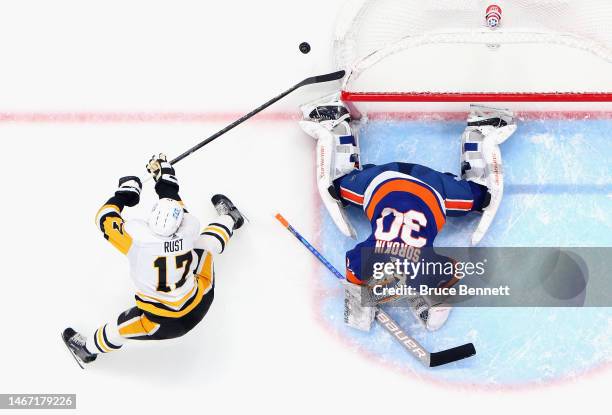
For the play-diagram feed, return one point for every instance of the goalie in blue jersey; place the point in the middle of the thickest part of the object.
(406, 204)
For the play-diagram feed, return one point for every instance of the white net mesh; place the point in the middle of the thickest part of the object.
(371, 31)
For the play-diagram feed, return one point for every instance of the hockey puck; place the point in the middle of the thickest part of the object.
(304, 47)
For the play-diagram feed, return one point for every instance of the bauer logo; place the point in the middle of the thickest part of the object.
(400, 335)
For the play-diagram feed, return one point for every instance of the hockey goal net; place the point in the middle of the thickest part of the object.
(445, 51)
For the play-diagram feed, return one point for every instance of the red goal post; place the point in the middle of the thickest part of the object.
(475, 97)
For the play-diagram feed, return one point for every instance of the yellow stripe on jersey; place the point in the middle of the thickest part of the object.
(104, 209)
(139, 326)
(204, 285)
(113, 228)
(219, 231)
(177, 303)
(101, 342)
(112, 225)
(206, 270)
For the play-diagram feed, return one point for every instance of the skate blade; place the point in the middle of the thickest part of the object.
(76, 358)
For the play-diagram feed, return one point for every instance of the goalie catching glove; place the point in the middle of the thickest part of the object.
(327, 121)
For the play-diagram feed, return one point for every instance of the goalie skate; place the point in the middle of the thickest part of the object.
(497, 124)
(327, 109)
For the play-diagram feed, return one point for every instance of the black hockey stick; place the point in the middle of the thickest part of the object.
(428, 359)
(334, 76)
(410, 344)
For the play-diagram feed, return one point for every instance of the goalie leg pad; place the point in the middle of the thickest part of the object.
(328, 121)
(473, 165)
(494, 125)
(494, 176)
(330, 166)
(481, 160)
(336, 155)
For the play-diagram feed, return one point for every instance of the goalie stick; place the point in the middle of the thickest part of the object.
(334, 76)
(410, 344)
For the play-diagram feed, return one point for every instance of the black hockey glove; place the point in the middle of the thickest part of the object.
(129, 190)
(166, 183)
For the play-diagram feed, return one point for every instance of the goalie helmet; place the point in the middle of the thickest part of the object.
(166, 217)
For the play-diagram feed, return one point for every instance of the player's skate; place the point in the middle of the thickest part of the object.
(224, 206)
(432, 317)
(76, 345)
(481, 160)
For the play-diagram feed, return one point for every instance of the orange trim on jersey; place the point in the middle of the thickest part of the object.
(350, 277)
(422, 192)
(352, 196)
(459, 204)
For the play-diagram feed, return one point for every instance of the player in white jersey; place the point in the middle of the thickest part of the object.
(170, 263)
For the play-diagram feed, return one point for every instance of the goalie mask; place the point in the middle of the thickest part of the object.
(166, 217)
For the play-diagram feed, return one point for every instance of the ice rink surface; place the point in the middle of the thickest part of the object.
(91, 91)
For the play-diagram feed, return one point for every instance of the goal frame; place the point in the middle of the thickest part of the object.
(355, 65)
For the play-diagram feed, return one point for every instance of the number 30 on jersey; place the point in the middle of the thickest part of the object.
(404, 226)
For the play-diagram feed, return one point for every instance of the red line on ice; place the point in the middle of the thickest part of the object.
(144, 117)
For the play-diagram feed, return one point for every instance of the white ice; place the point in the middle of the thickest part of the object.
(265, 345)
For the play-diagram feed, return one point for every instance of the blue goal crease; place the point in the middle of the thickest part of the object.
(557, 193)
